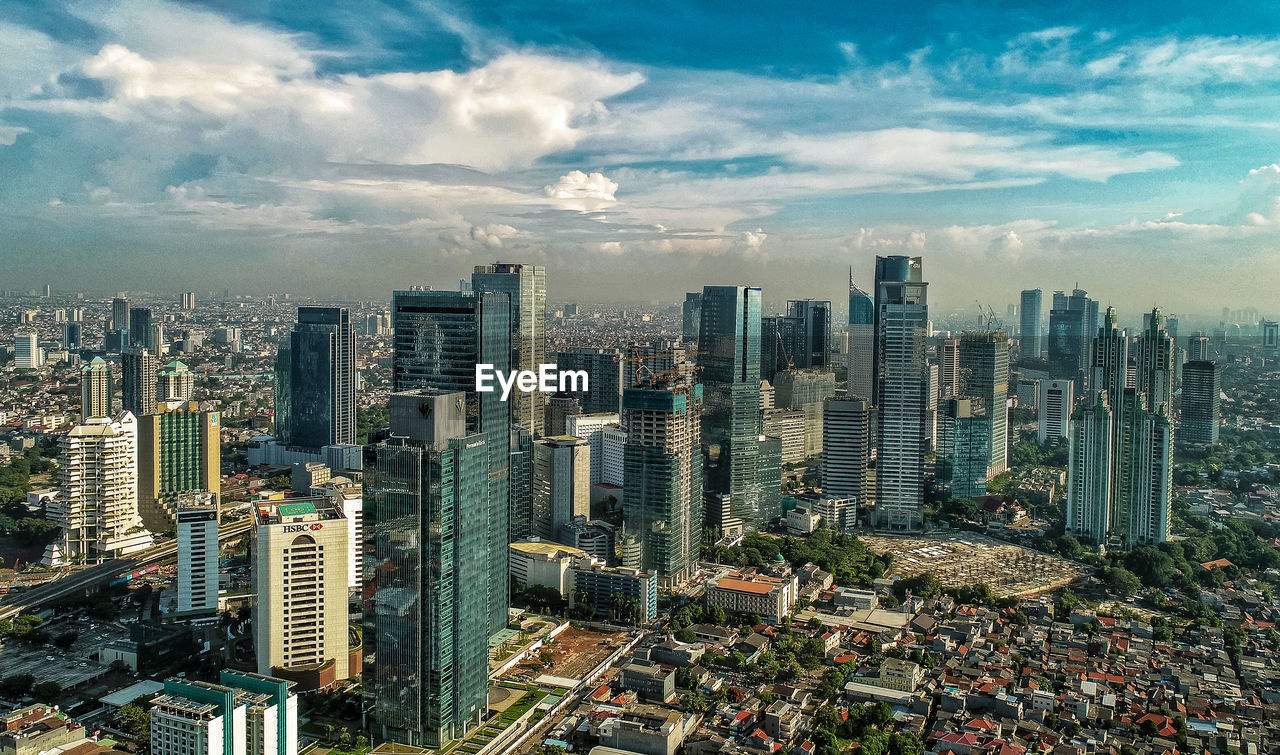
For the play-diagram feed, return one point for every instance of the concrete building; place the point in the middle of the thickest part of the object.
(95, 389)
(38, 729)
(349, 497)
(540, 562)
(27, 354)
(1055, 400)
(175, 382)
(244, 714)
(790, 428)
(561, 484)
(197, 520)
(806, 391)
(591, 427)
(599, 583)
(179, 450)
(771, 598)
(848, 426)
(138, 368)
(649, 681)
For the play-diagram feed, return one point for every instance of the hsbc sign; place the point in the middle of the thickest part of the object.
(302, 527)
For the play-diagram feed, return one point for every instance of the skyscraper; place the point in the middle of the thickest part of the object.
(138, 369)
(95, 389)
(1089, 483)
(426, 607)
(244, 714)
(805, 390)
(527, 287)
(179, 451)
(27, 354)
(120, 313)
(1073, 322)
(604, 377)
(814, 343)
(1201, 398)
(964, 446)
(950, 381)
(862, 336)
(729, 355)
(561, 484)
(188, 300)
(662, 500)
(1029, 324)
(440, 337)
(1054, 402)
(175, 383)
(140, 328)
(984, 362)
(902, 380)
(320, 381)
(691, 316)
(1155, 361)
(1198, 347)
(71, 336)
(197, 519)
(847, 428)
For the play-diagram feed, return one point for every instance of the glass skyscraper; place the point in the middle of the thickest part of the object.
(526, 285)
(1201, 399)
(862, 341)
(1029, 325)
(984, 361)
(1073, 322)
(319, 384)
(964, 446)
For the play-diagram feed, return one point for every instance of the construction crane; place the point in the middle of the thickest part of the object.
(988, 316)
(658, 375)
(785, 356)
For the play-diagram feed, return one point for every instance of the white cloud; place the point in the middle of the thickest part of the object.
(583, 192)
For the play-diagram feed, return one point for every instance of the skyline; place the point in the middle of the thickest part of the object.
(1019, 148)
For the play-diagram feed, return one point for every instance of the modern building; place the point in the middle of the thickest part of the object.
(120, 313)
(964, 446)
(176, 382)
(1155, 361)
(27, 354)
(97, 502)
(806, 390)
(1201, 398)
(902, 380)
(179, 451)
(140, 328)
(604, 378)
(244, 714)
(950, 381)
(848, 426)
(862, 336)
(349, 496)
(788, 427)
(770, 598)
(1029, 323)
(520, 521)
(1073, 322)
(561, 484)
(187, 301)
(138, 368)
(814, 345)
(526, 286)
(300, 553)
(1198, 347)
(556, 411)
(1055, 400)
(591, 427)
(613, 463)
(542, 562)
(427, 618)
(984, 365)
(95, 389)
(1270, 335)
(197, 515)
(318, 380)
(691, 317)
(1089, 486)
(440, 337)
(72, 336)
(599, 584)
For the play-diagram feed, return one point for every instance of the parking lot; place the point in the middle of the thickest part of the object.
(50, 664)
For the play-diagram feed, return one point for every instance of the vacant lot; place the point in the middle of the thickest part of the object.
(966, 559)
(574, 653)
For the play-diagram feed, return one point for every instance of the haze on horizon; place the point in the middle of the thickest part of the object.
(643, 150)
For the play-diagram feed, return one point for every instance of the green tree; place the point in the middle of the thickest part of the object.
(1122, 582)
(136, 720)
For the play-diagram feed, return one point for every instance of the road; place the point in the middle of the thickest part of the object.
(24, 601)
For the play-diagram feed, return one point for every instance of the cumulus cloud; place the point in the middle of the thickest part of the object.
(582, 191)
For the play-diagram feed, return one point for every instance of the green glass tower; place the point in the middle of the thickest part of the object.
(526, 285)
(964, 444)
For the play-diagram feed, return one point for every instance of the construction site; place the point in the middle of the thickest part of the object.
(968, 558)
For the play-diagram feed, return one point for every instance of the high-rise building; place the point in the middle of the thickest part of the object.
(561, 484)
(320, 383)
(964, 446)
(197, 518)
(604, 377)
(1201, 397)
(848, 426)
(1270, 335)
(140, 328)
(1198, 347)
(1054, 402)
(426, 609)
(591, 427)
(1089, 483)
(520, 520)
(862, 336)
(526, 285)
(176, 382)
(244, 714)
(300, 551)
(120, 313)
(729, 355)
(902, 380)
(1155, 362)
(27, 354)
(440, 337)
(691, 316)
(95, 389)
(950, 380)
(1029, 324)
(984, 364)
(138, 368)
(97, 501)
(814, 342)
(662, 498)
(188, 301)
(179, 451)
(72, 336)
(1073, 322)
(805, 390)
(558, 409)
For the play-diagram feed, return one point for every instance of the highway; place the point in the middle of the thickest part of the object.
(25, 601)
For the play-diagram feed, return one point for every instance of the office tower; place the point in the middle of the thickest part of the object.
(97, 501)
(1089, 483)
(1198, 347)
(440, 337)
(1073, 322)
(520, 521)
(76, 314)
(120, 313)
(984, 364)
(769, 478)
(847, 428)
(1155, 362)
(27, 354)
(950, 381)
(188, 301)
(691, 316)
(349, 497)
(426, 612)
(138, 368)
(931, 409)
(281, 389)
(1029, 324)
(1201, 396)
(320, 385)
(95, 389)
(244, 714)
(115, 341)
(561, 484)
(862, 336)
(179, 451)
(613, 444)
(964, 446)
(814, 341)
(788, 427)
(1054, 402)
(780, 339)
(156, 339)
(300, 553)
(805, 390)
(591, 427)
(1146, 517)
(176, 382)
(729, 355)
(527, 287)
(640, 362)
(1110, 372)
(662, 498)
(559, 407)
(140, 328)
(902, 379)
(1270, 335)
(197, 517)
(604, 377)
(71, 336)
(48, 291)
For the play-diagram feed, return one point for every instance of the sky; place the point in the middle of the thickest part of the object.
(640, 150)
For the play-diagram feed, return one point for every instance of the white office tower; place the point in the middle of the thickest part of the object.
(26, 351)
(97, 501)
(244, 714)
(591, 427)
(1054, 401)
(613, 444)
(1089, 480)
(348, 496)
(847, 426)
(561, 484)
(300, 554)
(197, 516)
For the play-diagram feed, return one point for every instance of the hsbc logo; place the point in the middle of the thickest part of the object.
(303, 527)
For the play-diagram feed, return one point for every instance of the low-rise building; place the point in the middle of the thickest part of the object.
(747, 592)
(650, 681)
(599, 583)
(542, 562)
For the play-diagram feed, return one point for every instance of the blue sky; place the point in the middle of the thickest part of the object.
(640, 149)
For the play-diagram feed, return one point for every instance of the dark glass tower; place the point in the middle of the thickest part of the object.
(322, 379)
(1029, 326)
(140, 328)
(691, 316)
(1201, 399)
(138, 374)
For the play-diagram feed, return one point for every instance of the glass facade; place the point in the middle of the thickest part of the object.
(526, 286)
(322, 378)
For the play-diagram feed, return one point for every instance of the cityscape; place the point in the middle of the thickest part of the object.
(477, 380)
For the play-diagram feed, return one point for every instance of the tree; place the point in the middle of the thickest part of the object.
(546, 657)
(1122, 582)
(328, 732)
(17, 685)
(718, 616)
(136, 720)
(826, 717)
(344, 738)
(47, 691)
(686, 635)
(905, 743)
(874, 742)
(65, 640)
